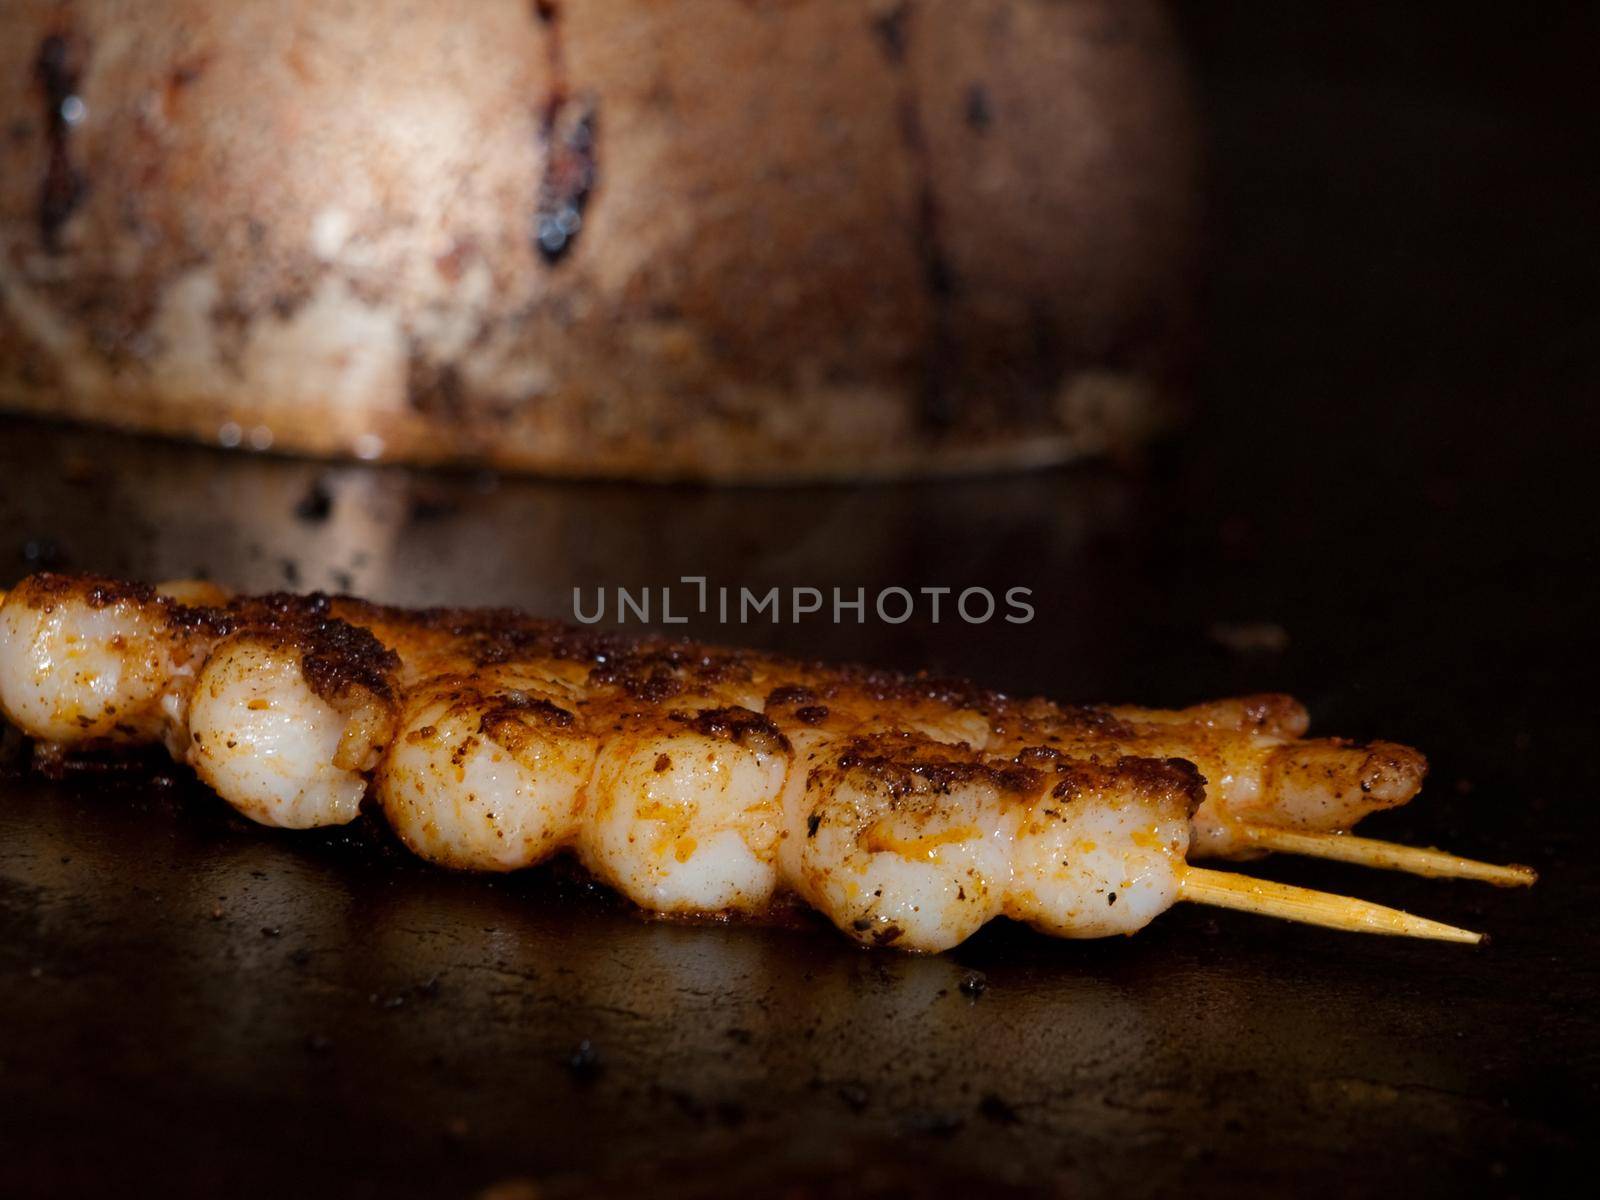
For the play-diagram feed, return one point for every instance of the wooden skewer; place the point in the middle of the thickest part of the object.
(1226, 890)
(1390, 856)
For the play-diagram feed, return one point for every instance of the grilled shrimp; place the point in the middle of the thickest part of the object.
(683, 814)
(261, 737)
(1258, 767)
(906, 810)
(486, 773)
(282, 714)
(79, 663)
(897, 838)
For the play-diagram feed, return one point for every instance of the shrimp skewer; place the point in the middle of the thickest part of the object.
(1276, 790)
(692, 779)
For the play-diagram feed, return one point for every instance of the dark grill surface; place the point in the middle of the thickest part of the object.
(1386, 507)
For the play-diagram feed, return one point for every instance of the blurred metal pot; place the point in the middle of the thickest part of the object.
(823, 238)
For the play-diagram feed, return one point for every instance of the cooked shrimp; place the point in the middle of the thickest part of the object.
(280, 753)
(898, 840)
(85, 663)
(908, 810)
(283, 715)
(1258, 767)
(486, 774)
(683, 814)
(1104, 849)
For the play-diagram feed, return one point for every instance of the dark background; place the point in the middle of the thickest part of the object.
(1386, 506)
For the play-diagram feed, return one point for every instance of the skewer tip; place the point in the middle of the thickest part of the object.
(1390, 856)
(1223, 889)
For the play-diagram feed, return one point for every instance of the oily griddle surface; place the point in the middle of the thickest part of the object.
(1383, 510)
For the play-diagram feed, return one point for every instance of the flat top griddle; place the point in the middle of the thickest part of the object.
(1383, 510)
